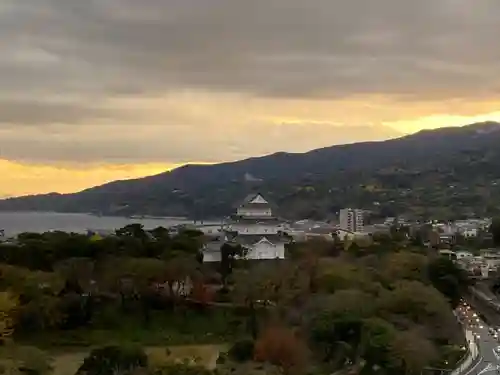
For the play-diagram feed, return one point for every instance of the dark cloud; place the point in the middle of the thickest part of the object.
(269, 47)
(65, 61)
(101, 144)
(40, 112)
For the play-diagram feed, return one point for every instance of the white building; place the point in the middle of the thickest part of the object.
(263, 246)
(304, 230)
(211, 230)
(256, 229)
(468, 232)
(351, 219)
(464, 255)
(469, 228)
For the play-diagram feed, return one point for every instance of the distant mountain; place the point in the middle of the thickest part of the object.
(446, 172)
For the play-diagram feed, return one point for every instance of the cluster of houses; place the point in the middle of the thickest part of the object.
(264, 235)
(257, 229)
(469, 228)
(480, 265)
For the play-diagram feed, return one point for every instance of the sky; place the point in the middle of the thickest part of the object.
(98, 90)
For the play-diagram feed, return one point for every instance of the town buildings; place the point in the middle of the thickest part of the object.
(304, 230)
(351, 220)
(469, 228)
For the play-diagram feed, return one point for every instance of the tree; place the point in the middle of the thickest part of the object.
(412, 302)
(7, 306)
(281, 346)
(242, 351)
(449, 279)
(360, 344)
(132, 278)
(187, 242)
(180, 273)
(495, 230)
(336, 324)
(403, 266)
(338, 274)
(44, 312)
(160, 234)
(111, 360)
(252, 288)
(182, 369)
(418, 239)
(228, 253)
(201, 293)
(411, 353)
(80, 271)
(374, 349)
(310, 265)
(132, 230)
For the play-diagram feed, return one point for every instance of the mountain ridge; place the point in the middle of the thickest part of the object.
(374, 175)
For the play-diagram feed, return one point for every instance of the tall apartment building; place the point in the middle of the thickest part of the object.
(351, 219)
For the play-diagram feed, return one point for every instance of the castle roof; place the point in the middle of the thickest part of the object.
(265, 220)
(254, 200)
(252, 239)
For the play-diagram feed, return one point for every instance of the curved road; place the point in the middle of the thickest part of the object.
(487, 340)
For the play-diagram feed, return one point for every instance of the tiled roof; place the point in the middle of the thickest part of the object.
(251, 239)
(250, 204)
(322, 230)
(248, 199)
(271, 220)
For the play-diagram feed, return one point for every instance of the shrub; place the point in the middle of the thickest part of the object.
(281, 347)
(110, 360)
(181, 369)
(31, 361)
(222, 358)
(242, 351)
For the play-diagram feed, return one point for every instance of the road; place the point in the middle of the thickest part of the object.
(487, 340)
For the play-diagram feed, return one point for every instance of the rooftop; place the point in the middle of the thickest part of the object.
(255, 200)
(251, 239)
(268, 220)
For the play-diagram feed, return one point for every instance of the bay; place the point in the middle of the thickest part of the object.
(14, 223)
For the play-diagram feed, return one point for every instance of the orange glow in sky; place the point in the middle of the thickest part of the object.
(23, 179)
(18, 178)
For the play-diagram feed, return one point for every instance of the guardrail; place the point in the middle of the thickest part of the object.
(470, 355)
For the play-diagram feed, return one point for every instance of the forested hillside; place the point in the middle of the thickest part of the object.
(449, 172)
